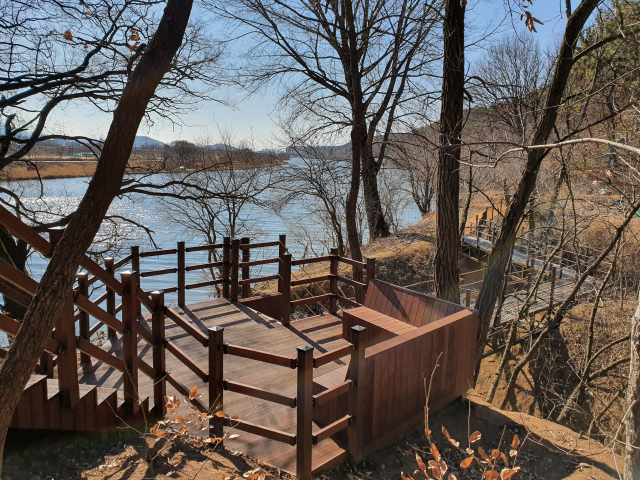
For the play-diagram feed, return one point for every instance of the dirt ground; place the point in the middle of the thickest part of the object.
(549, 451)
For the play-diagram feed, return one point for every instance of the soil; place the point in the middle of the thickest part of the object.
(548, 451)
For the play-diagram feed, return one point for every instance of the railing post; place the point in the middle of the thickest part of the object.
(246, 257)
(282, 249)
(181, 273)
(65, 334)
(226, 265)
(356, 394)
(83, 289)
(468, 298)
(371, 269)
(304, 432)
(159, 353)
(285, 276)
(528, 282)
(130, 341)
(235, 254)
(216, 373)
(333, 281)
(135, 267)
(109, 265)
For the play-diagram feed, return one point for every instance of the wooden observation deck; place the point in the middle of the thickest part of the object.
(303, 395)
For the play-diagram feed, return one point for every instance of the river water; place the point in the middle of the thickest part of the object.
(64, 195)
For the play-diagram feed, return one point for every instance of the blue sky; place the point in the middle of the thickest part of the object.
(252, 118)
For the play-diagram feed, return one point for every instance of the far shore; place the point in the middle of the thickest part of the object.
(68, 169)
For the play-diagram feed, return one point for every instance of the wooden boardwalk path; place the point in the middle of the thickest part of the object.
(246, 328)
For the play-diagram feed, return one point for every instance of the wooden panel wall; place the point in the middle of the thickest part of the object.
(411, 307)
(396, 368)
(270, 305)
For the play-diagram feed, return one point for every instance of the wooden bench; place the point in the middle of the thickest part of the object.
(390, 311)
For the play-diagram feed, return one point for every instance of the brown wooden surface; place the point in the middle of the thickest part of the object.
(247, 328)
(406, 305)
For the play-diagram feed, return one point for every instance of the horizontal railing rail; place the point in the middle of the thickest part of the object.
(332, 393)
(259, 393)
(260, 356)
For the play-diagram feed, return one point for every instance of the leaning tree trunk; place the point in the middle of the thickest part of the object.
(378, 226)
(499, 258)
(451, 117)
(632, 421)
(57, 281)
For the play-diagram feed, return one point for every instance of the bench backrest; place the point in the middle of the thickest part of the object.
(406, 305)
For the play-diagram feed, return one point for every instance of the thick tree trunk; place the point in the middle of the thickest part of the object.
(378, 226)
(59, 276)
(632, 421)
(499, 258)
(451, 117)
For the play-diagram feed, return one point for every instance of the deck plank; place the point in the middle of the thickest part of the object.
(246, 328)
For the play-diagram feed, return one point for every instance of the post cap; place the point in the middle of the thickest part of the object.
(305, 348)
(217, 328)
(358, 328)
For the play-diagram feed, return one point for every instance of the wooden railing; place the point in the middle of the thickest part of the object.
(130, 327)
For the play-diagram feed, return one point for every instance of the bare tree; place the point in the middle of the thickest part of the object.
(57, 281)
(632, 420)
(351, 67)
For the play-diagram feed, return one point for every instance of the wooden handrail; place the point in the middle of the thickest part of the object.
(304, 281)
(99, 354)
(328, 357)
(202, 266)
(352, 262)
(348, 301)
(186, 360)
(155, 273)
(144, 332)
(12, 327)
(305, 261)
(24, 232)
(317, 298)
(270, 433)
(184, 391)
(260, 356)
(15, 295)
(257, 263)
(147, 369)
(121, 262)
(249, 246)
(199, 285)
(144, 299)
(17, 278)
(332, 429)
(249, 281)
(188, 327)
(86, 305)
(158, 253)
(353, 283)
(332, 393)
(97, 271)
(259, 393)
(203, 247)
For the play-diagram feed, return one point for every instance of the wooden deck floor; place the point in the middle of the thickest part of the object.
(247, 328)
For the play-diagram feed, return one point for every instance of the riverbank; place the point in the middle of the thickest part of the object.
(54, 169)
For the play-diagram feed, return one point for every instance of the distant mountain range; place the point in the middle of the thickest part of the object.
(142, 141)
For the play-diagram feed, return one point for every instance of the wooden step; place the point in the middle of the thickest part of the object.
(30, 412)
(329, 461)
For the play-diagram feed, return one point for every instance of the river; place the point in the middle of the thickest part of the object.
(64, 195)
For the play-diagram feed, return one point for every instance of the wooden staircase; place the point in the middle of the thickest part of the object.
(99, 409)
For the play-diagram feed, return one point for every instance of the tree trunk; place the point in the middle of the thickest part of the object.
(499, 258)
(451, 117)
(59, 276)
(378, 226)
(632, 421)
